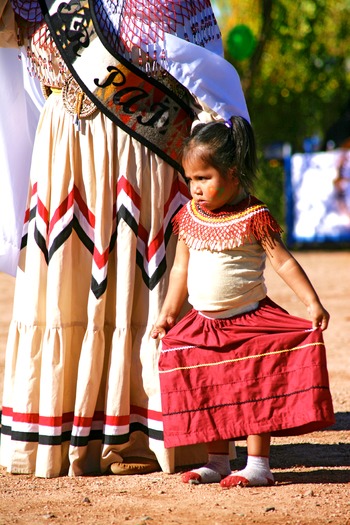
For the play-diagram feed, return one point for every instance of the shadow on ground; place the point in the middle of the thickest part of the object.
(320, 457)
(306, 455)
(316, 476)
(342, 421)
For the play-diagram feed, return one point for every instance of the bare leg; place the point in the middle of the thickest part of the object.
(217, 468)
(257, 471)
(218, 447)
(259, 445)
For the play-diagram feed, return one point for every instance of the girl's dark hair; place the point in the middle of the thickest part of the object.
(225, 145)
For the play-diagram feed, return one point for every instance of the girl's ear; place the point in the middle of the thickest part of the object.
(232, 172)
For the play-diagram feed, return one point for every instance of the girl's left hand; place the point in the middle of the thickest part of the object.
(319, 316)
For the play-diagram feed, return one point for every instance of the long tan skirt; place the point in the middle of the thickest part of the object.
(81, 386)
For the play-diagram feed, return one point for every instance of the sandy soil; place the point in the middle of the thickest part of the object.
(312, 472)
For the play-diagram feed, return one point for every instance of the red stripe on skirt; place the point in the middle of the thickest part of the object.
(263, 371)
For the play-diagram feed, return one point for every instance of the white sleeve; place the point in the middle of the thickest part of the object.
(20, 105)
(208, 76)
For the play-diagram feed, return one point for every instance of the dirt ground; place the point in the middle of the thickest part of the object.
(312, 471)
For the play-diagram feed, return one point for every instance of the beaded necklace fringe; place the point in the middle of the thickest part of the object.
(227, 228)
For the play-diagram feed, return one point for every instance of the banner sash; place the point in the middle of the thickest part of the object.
(142, 106)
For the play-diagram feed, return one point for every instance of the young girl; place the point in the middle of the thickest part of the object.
(237, 365)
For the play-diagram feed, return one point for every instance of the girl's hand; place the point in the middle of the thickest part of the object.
(162, 326)
(158, 331)
(319, 316)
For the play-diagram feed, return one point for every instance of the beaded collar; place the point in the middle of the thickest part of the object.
(226, 228)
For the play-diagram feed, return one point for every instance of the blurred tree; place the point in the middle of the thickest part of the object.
(297, 80)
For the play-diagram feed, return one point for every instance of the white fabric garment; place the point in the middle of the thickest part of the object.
(208, 76)
(20, 104)
(236, 285)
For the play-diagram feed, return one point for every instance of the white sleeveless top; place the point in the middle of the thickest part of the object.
(230, 279)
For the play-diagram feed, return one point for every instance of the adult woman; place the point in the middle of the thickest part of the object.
(81, 389)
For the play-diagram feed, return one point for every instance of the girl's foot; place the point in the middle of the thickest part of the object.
(217, 468)
(257, 473)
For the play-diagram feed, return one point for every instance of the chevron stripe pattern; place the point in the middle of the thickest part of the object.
(51, 230)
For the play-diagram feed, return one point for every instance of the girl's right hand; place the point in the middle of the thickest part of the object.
(162, 326)
(157, 331)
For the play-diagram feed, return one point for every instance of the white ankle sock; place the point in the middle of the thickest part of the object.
(256, 473)
(218, 467)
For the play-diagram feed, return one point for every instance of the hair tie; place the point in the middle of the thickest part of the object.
(228, 123)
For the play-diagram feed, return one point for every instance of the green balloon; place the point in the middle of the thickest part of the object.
(241, 42)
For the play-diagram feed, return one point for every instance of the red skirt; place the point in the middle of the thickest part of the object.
(262, 371)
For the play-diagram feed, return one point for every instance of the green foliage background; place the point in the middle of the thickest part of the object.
(297, 81)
